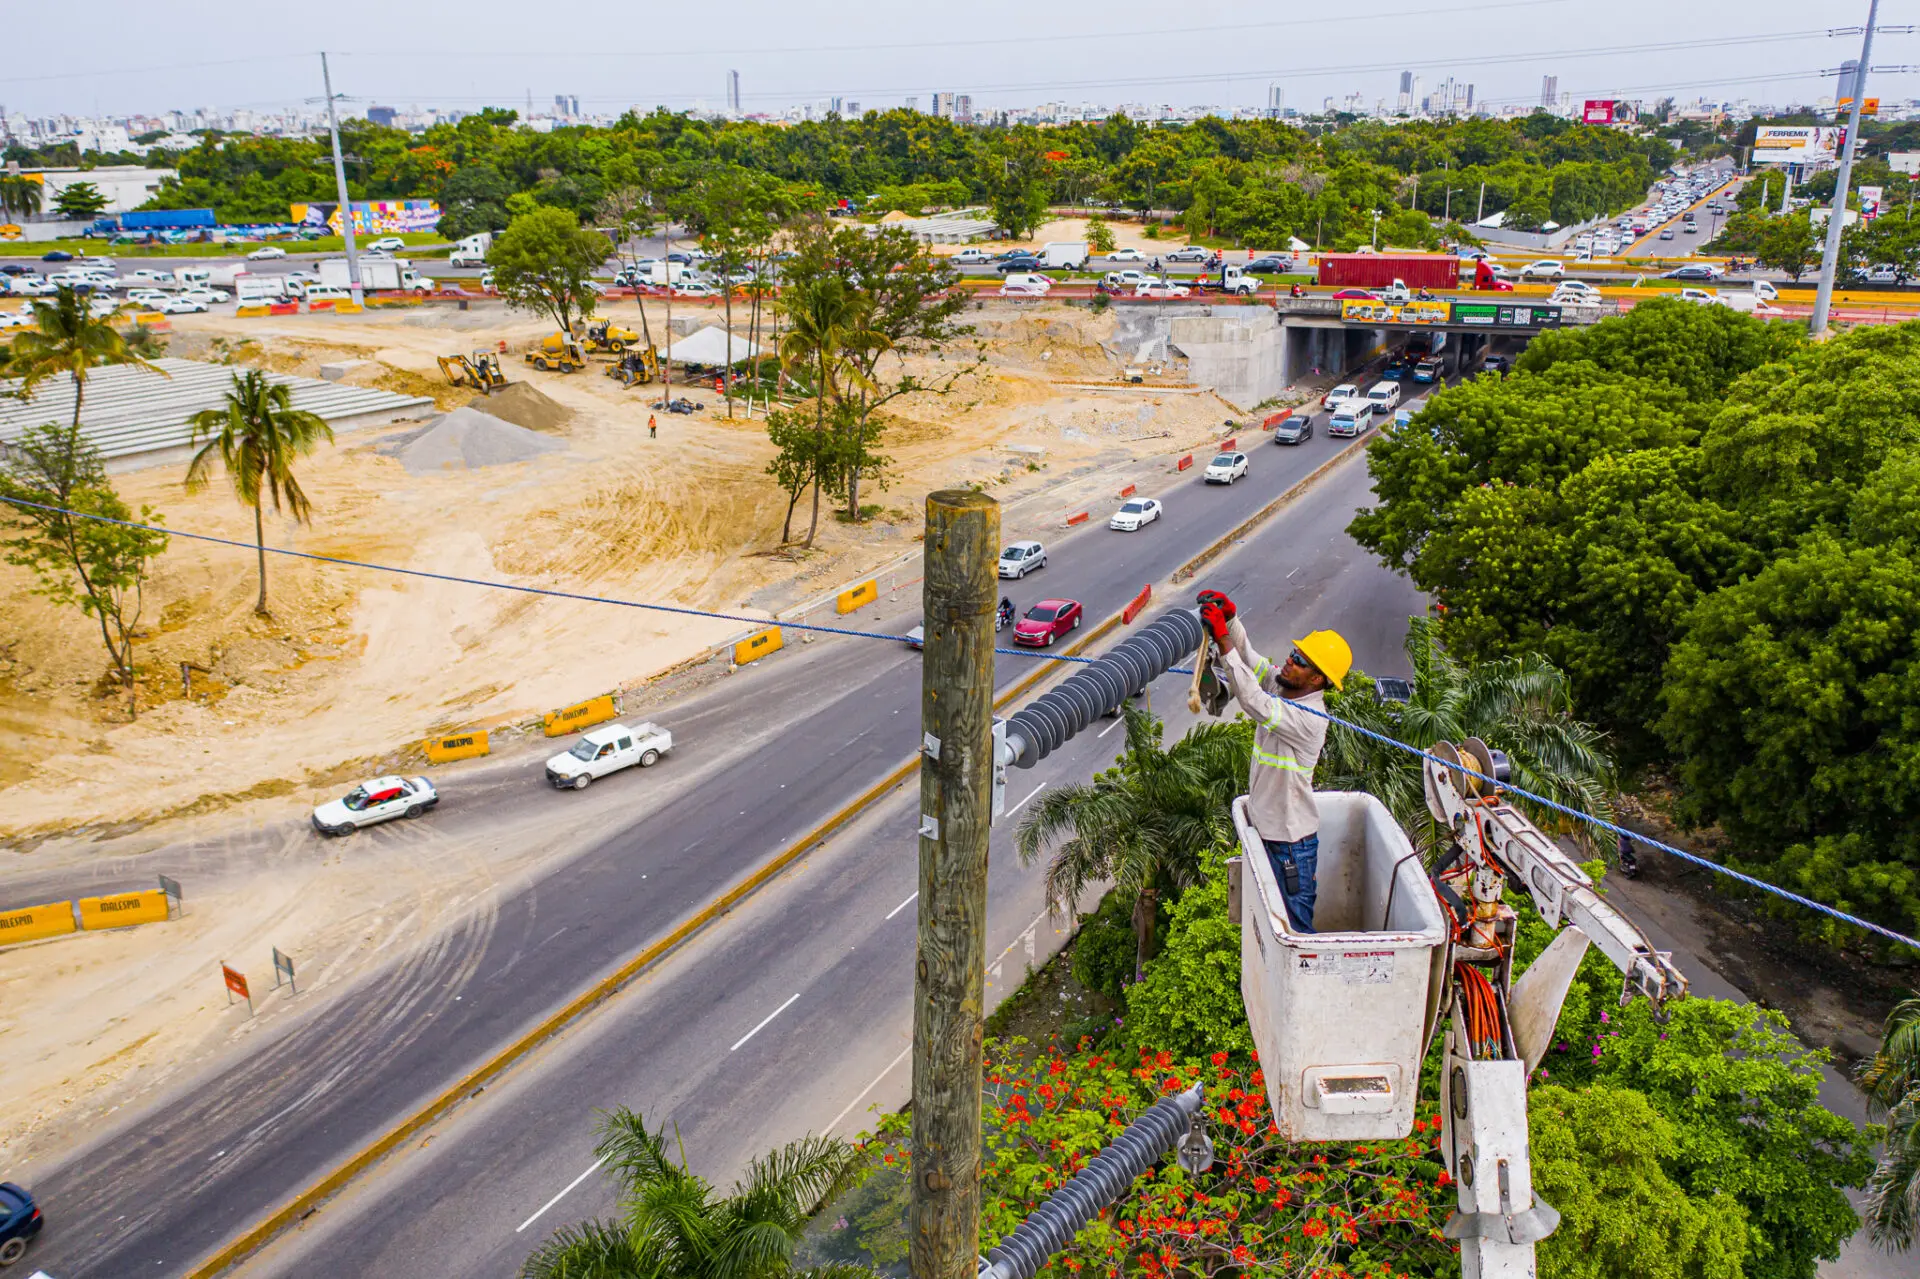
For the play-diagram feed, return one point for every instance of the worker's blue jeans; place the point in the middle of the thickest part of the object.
(1295, 863)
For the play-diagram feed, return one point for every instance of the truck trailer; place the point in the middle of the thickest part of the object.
(1378, 270)
(376, 274)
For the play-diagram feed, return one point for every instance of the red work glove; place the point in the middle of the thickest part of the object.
(1215, 619)
(1225, 605)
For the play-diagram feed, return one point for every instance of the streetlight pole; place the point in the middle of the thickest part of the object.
(1837, 216)
(1376, 230)
(358, 294)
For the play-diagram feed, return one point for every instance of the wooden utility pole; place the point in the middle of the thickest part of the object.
(949, 975)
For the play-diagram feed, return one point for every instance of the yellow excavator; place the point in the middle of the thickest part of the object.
(637, 366)
(607, 336)
(481, 371)
(558, 352)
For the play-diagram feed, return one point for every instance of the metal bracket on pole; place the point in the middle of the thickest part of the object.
(930, 828)
(930, 746)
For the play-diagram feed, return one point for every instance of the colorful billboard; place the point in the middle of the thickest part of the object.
(1870, 200)
(1601, 111)
(1370, 311)
(1506, 315)
(381, 217)
(1776, 145)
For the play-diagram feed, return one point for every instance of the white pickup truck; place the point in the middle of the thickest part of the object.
(608, 749)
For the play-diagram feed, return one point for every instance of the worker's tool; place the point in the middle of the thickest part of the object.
(481, 371)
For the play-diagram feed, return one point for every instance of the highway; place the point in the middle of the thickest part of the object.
(761, 759)
(795, 1015)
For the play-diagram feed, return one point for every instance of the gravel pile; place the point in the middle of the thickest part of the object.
(467, 439)
(526, 405)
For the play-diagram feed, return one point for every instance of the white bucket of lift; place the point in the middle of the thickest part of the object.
(1341, 1017)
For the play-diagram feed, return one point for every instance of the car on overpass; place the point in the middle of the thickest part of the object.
(1294, 428)
(1544, 269)
(1225, 468)
(1046, 622)
(1356, 295)
(1693, 271)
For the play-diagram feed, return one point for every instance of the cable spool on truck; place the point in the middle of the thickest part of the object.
(1342, 1016)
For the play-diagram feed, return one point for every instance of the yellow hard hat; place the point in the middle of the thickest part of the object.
(1329, 653)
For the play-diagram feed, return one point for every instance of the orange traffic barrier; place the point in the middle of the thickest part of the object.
(594, 710)
(1231, 441)
(283, 308)
(444, 750)
(324, 304)
(1183, 463)
(1081, 518)
(1140, 601)
(1129, 490)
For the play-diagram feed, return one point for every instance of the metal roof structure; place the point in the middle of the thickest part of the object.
(136, 418)
(962, 226)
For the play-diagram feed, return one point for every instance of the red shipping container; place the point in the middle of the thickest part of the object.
(1378, 270)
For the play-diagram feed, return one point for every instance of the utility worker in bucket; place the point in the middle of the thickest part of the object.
(1286, 743)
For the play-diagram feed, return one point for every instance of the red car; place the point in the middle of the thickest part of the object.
(1358, 295)
(1046, 622)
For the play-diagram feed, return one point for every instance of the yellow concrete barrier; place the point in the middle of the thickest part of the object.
(444, 750)
(31, 923)
(755, 647)
(149, 317)
(251, 312)
(123, 909)
(574, 718)
(347, 308)
(855, 597)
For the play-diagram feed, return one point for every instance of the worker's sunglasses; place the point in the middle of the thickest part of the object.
(1297, 658)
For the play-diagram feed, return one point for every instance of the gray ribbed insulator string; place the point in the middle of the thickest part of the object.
(1055, 1222)
(1050, 720)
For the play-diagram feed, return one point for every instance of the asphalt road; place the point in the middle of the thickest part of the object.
(794, 1015)
(775, 751)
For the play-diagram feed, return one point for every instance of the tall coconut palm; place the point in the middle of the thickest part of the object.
(67, 338)
(1520, 705)
(1891, 1080)
(1143, 823)
(257, 435)
(828, 328)
(673, 1225)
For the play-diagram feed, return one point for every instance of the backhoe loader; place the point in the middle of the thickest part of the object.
(637, 366)
(481, 371)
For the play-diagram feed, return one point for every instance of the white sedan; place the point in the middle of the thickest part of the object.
(209, 296)
(180, 306)
(1125, 255)
(1161, 289)
(14, 319)
(369, 803)
(387, 244)
(33, 286)
(1026, 288)
(1345, 391)
(1226, 468)
(1545, 269)
(694, 289)
(266, 253)
(1136, 514)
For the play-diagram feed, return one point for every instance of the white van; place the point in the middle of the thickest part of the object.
(1018, 282)
(1385, 397)
(192, 277)
(1350, 417)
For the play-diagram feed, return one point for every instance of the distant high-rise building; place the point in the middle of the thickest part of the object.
(833, 105)
(381, 115)
(963, 108)
(1413, 95)
(1849, 80)
(1549, 90)
(733, 92)
(1276, 101)
(943, 105)
(1469, 99)
(1405, 101)
(912, 104)
(559, 104)
(853, 110)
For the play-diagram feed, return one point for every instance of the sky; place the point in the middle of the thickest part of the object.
(148, 57)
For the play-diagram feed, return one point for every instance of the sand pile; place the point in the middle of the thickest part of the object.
(526, 405)
(467, 439)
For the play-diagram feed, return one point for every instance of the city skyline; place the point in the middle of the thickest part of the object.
(432, 54)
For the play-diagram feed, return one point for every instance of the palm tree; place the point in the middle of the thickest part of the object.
(828, 328)
(1144, 823)
(1520, 705)
(673, 1226)
(70, 340)
(257, 435)
(1891, 1080)
(20, 195)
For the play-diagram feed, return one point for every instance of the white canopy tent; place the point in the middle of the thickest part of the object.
(713, 347)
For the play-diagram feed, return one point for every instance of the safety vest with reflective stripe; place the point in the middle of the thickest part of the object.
(1286, 744)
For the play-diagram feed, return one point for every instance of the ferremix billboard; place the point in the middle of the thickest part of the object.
(1775, 144)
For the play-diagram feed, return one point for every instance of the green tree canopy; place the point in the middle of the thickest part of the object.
(543, 262)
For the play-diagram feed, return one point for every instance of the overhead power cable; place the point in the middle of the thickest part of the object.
(1598, 823)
